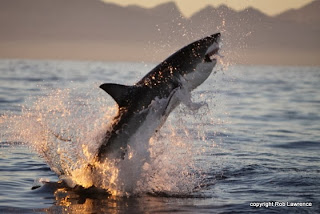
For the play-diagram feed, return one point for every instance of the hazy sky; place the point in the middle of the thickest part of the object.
(188, 7)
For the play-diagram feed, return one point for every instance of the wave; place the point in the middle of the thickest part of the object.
(303, 145)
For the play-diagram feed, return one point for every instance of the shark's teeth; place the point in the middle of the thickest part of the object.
(212, 49)
(212, 52)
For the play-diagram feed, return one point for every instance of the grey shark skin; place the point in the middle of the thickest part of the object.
(183, 71)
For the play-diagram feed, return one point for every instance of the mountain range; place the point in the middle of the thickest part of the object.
(95, 30)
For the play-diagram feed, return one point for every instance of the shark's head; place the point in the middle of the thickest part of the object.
(199, 59)
(190, 66)
(204, 49)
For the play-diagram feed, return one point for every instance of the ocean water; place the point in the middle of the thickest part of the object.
(255, 146)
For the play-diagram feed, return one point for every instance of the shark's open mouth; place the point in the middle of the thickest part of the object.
(211, 52)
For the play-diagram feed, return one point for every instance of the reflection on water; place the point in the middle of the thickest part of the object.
(96, 201)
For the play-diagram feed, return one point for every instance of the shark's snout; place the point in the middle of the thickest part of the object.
(213, 48)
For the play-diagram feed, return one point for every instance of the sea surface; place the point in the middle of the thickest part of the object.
(254, 146)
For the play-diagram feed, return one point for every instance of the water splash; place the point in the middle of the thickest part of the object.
(66, 127)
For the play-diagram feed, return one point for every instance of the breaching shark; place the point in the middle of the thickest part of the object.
(165, 84)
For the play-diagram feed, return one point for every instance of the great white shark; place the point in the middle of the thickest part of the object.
(165, 84)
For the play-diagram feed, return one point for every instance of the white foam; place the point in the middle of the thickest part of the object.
(159, 162)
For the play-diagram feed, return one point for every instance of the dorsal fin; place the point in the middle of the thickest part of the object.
(118, 92)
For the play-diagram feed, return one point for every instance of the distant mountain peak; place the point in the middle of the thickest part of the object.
(253, 12)
(207, 9)
(167, 6)
(224, 7)
(307, 14)
(167, 9)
